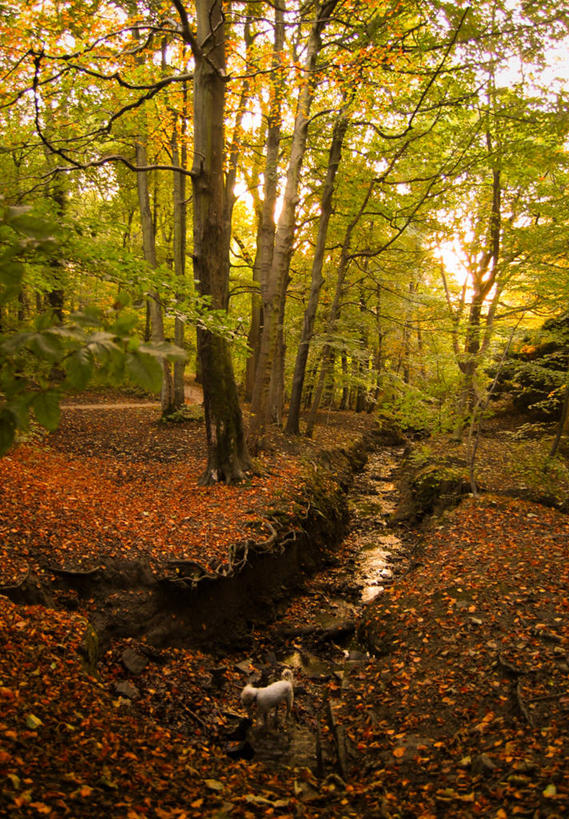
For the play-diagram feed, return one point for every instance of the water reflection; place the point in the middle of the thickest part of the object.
(374, 503)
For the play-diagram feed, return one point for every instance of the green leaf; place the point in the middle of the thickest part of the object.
(104, 348)
(144, 370)
(88, 317)
(46, 346)
(122, 299)
(19, 406)
(46, 409)
(125, 324)
(8, 294)
(13, 344)
(69, 332)
(11, 273)
(79, 368)
(33, 226)
(162, 349)
(14, 212)
(44, 321)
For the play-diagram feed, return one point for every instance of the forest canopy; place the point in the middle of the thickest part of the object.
(352, 204)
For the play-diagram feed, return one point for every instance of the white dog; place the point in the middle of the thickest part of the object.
(271, 696)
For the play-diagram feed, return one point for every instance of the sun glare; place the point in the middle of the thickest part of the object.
(453, 259)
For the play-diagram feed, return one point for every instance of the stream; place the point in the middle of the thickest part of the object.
(325, 647)
(373, 501)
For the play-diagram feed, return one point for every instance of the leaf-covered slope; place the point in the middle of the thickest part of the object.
(466, 708)
(128, 488)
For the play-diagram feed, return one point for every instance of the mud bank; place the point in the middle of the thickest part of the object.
(316, 633)
(184, 605)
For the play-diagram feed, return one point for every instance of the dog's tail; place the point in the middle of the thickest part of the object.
(288, 675)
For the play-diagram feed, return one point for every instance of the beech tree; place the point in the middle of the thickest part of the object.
(266, 398)
(364, 134)
(507, 133)
(228, 457)
(265, 236)
(317, 280)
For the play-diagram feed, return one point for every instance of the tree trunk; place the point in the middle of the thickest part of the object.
(562, 423)
(484, 278)
(267, 227)
(236, 140)
(317, 279)
(55, 298)
(334, 311)
(327, 352)
(407, 333)
(227, 451)
(345, 390)
(179, 156)
(378, 353)
(363, 359)
(261, 408)
(149, 250)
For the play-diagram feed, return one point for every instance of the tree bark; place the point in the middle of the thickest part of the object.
(483, 278)
(55, 297)
(228, 457)
(378, 352)
(344, 400)
(562, 422)
(363, 359)
(334, 312)
(236, 140)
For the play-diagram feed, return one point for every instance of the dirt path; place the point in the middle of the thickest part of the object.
(193, 395)
(112, 406)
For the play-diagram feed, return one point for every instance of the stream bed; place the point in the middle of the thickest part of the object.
(315, 633)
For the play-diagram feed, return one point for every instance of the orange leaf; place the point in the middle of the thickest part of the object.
(40, 807)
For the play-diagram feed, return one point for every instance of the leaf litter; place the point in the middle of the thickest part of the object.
(461, 710)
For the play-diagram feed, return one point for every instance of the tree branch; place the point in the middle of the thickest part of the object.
(187, 32)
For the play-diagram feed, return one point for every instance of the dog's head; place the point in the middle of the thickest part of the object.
(288, 675)
(248, 697)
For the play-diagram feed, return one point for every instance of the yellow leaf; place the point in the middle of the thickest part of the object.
(33, 722)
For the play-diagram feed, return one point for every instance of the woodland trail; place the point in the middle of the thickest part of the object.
(112, 406)
(193, 395)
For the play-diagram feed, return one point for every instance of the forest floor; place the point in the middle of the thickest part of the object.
(460, 708)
